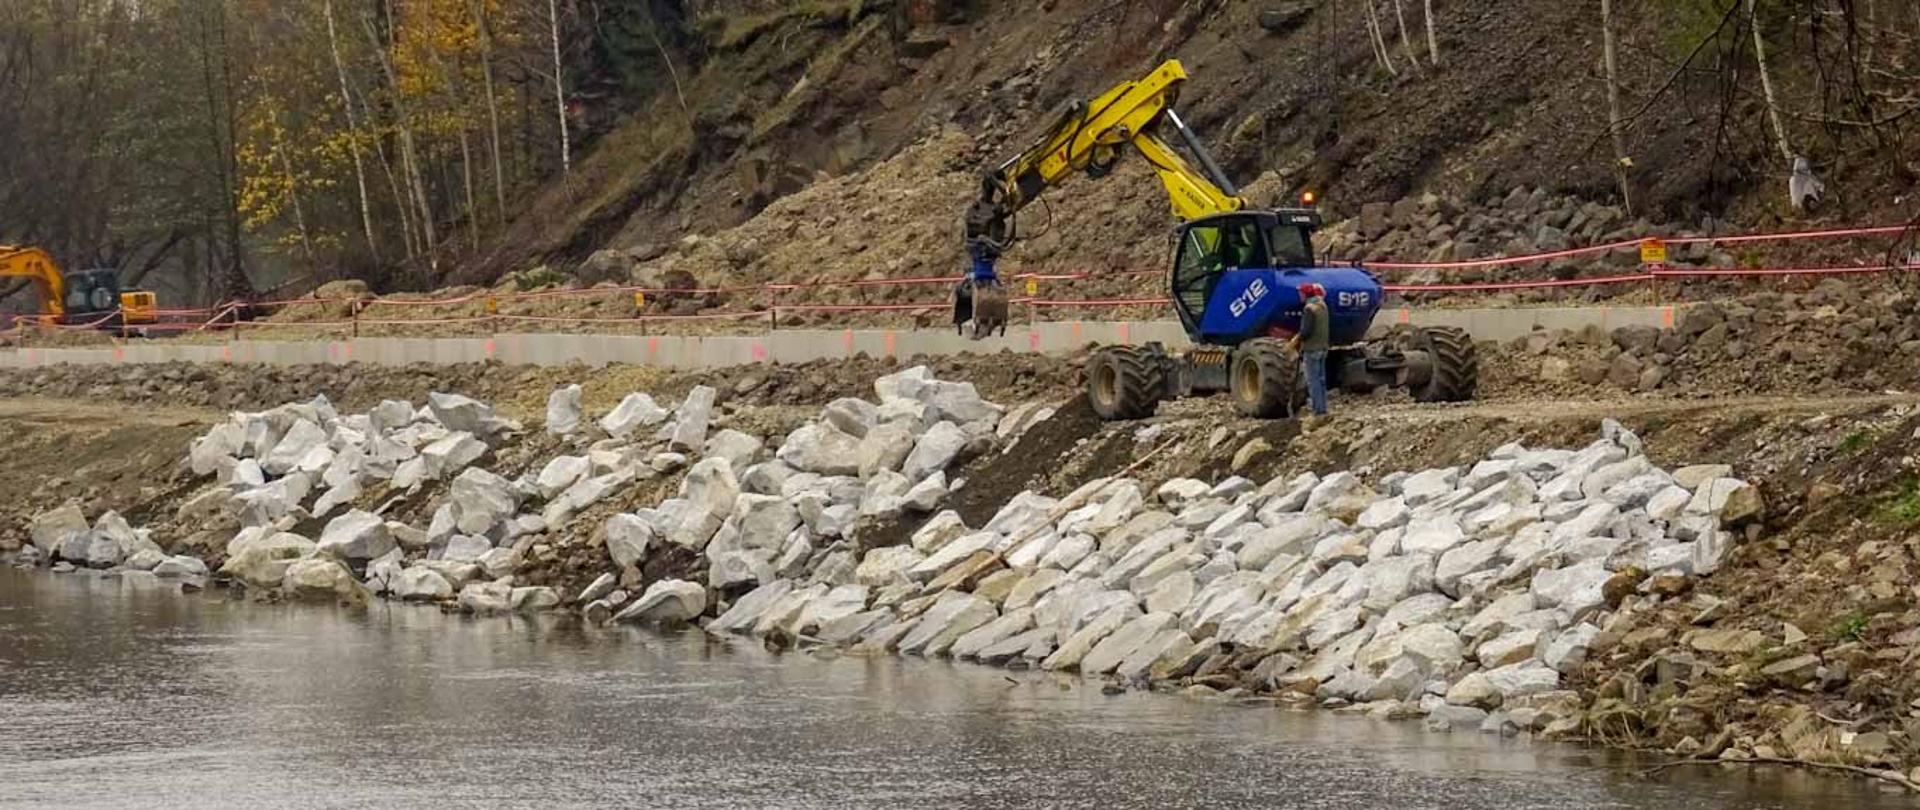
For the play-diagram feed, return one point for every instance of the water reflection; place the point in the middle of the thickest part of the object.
(116, 696)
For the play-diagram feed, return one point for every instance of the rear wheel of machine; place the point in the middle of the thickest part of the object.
(1125, 382)
(1266, 380)
(1456, 364)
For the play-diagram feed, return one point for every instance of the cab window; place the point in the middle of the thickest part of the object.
(1243, 246)
(1292, 246)
(1199, 263)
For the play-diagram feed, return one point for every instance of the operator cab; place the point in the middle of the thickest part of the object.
(92, 291)
(1210, 247)
(95, 297)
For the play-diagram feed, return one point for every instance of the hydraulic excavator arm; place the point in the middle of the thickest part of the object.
(34, 263)
(1090, 136)
(1087, 136)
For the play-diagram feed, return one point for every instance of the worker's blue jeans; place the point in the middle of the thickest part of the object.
(1315, 366)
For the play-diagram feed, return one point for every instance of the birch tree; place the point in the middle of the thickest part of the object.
(1379, 41)
(485, 30)
(1433, 40)
(353, 129)
(1766, 83)
(1406, 41)
(1615, 125)
(559, 88)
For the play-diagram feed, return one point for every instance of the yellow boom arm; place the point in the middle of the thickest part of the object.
(34, 263)
(1089, 136)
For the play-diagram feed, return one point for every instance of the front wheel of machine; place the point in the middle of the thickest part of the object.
(1456, 364)
(1266, 380)
(1124, 382)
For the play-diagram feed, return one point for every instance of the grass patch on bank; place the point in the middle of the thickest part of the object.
(1902, 508)
(1851, 627)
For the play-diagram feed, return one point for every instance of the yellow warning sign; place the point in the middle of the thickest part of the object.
(639, 300)
(1653, 251)
(493, 306)
(1033, 286)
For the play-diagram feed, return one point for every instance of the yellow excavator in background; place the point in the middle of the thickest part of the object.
(84, 296)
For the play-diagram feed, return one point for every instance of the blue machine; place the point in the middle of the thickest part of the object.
(1235, 280)
(1236, 289)
(1270, 299)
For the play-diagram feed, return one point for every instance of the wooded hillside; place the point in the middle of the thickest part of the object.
(218, 148)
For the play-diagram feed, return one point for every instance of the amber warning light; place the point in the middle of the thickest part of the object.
(1308, 198)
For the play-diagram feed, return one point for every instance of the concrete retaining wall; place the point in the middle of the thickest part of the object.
(784, 346)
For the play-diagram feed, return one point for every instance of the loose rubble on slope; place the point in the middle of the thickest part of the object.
(1835, 336)
(1461, 595)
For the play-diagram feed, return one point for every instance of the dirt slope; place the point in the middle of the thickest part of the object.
(800, 96)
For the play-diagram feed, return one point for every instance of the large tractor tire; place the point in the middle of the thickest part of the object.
(1456, 364)
(1266, 380)
(1125, 382)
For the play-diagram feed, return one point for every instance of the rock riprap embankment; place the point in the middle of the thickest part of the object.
(746, 510)
(1460, 594)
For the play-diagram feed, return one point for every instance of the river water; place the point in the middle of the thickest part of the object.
(113, 695)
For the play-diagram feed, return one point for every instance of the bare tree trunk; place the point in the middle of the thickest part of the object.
(353, 127)
(1406, 41)
(466, 179)
(400, 204)
(1766, 82)
(1433, 40)
(559, 89)
(1866, 44)
(1615, 127)
(1379, 41)
(671, 72)
(409, 157)
(523, 159)
(493, 108)
(410, 161)
(293, 193)
(154, 259)
(221, 130)
(456, 98)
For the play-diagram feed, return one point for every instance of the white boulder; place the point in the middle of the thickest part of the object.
(634, 412)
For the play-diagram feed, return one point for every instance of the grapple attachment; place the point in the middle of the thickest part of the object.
(984, 302)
